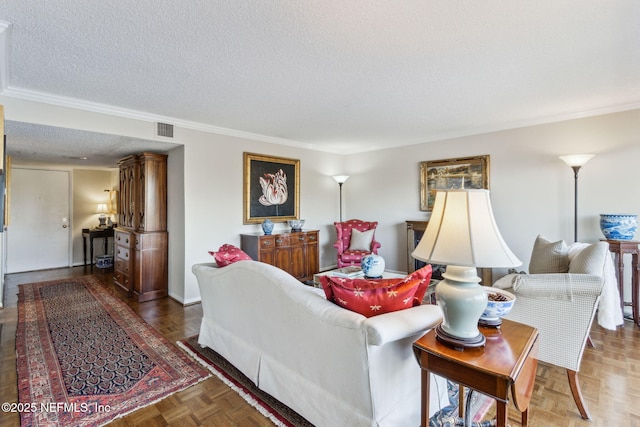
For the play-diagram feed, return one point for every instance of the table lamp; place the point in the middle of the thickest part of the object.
(462, 234)
(102, 210)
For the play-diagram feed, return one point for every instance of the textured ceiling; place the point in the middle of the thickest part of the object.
(332, 75)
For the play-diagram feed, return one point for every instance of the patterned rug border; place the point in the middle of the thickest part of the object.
(125, 317)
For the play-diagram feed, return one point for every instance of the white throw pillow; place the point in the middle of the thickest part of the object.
(505, 282)
(361, 240)
(590, 260)
(549, 257)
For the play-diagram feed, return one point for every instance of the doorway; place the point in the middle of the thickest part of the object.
(39, 232)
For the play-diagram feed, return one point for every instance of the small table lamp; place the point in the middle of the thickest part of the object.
(102, 210)
(462, 234)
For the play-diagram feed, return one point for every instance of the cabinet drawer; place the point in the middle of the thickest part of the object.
(123, 253)
(122, 266)
(282, 240)
(311, 237)
(267, 242)
(123, 238)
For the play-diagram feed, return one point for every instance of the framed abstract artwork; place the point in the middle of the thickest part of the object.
(271, 188)
(447, 174)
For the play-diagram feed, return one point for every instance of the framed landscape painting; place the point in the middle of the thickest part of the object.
(460, 173)
(271, 188)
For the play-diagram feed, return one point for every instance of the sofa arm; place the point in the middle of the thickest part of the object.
(397, 325)
(561, 286)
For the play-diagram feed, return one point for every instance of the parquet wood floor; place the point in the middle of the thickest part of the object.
(610, 373)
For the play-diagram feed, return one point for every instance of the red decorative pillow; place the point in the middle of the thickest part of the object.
(228, 254)
(424, 274)
(372, 297)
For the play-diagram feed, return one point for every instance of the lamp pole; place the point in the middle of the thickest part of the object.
(340, 179)
(575, 162)
(575, 202)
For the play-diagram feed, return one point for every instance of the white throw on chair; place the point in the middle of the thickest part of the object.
(560, 298)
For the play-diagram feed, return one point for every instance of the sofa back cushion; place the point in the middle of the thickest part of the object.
(549, 257)
(590, 260)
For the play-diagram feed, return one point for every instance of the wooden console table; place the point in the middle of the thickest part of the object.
(297, 253)
(93, 233)
(508, 361)
(619, 248)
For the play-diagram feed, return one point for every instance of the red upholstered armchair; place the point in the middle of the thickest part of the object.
(351, 251)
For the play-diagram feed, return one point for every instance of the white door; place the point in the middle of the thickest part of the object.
(39, 232)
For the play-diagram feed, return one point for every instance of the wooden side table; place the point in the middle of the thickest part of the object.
(94, 233)
(507, 362)
(619, 248)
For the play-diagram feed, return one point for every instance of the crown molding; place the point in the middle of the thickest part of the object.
(95, 107)
(78, 104)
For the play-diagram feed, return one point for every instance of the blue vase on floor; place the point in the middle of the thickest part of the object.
(267, 227)
(618, 226)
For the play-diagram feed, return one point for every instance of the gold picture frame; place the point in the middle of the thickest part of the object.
(271, 188)
(462, 172)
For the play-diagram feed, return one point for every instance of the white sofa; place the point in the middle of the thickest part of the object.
(332, 366)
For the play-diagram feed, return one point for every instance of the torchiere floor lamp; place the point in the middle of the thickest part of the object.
(575, 162)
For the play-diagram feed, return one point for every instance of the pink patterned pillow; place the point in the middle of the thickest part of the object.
(372, 297)
(228, 254)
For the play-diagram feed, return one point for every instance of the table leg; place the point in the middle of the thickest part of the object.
(91, 252)
(426, 385)
(501, 414)
(461, 406)
(84, 249)
(106, 245)
(525, 418)
(620, 264)
(634, 288)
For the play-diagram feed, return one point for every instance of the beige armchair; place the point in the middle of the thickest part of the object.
(562, 307)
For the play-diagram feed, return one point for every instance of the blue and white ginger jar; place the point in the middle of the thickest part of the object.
(618, 226)
(267, 226)
(372, 265)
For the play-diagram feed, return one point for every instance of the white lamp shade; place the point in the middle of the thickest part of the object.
(463, 232)
(576, 159)
(102, 208)
(340, 179)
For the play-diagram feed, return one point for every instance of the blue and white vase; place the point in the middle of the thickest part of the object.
(618, 226)
(267, 226)
(372, 266)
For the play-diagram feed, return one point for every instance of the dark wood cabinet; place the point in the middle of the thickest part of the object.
(296, 253)
(141, 254)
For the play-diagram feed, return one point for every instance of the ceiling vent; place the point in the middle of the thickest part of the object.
(165, 129)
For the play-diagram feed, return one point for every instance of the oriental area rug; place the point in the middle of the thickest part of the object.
(283, 416)
(85, 358)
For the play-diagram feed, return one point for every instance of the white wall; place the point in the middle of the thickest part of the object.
(532, 190)
(213, 190)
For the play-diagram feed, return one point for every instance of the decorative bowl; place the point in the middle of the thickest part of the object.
(499, 304)
(618, 226)
(296, 224)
